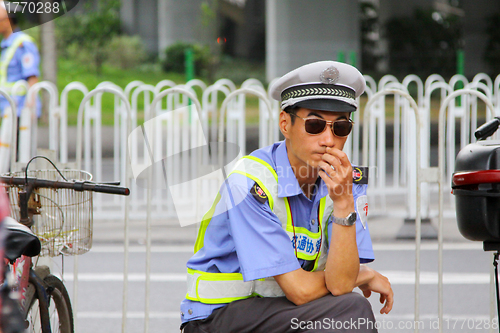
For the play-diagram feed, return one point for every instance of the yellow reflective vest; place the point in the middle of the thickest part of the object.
(7, 56)
(216, 288)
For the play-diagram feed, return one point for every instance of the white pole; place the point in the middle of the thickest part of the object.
(13, 115)
(271, 39)
(53, 101)
(419, 167)
(126, 184)
(63, 110)
(190, 94)
(441, 181)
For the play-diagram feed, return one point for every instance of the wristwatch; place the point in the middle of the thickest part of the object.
(346, 221)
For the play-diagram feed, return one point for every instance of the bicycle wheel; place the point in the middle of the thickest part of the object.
(61, 315)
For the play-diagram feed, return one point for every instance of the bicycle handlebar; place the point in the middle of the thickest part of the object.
(75, 185)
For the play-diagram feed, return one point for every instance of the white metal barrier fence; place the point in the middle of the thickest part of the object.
(442, 181)
(177, 131)
(392, 179)
(419, 178)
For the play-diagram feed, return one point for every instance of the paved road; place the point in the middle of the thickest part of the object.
(466, 290)
(99, 307)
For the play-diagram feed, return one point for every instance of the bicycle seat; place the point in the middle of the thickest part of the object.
(20, 240)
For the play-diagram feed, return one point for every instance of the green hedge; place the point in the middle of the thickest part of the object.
(175, 58)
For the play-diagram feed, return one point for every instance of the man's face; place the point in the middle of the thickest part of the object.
(305, 149)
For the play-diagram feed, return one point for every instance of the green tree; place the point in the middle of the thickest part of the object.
(425, 43)
(85, 35)
(492, 51)
(208, 32)
(175, 58)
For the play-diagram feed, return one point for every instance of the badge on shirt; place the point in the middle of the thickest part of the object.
(360, 175)
(258, 193)
(362, 209)
(28, 60)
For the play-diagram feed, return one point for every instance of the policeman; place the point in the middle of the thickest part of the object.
(19, 58)
(286, 240)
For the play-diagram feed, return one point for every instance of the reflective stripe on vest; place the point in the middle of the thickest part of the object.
(214, 288)
(7, 58)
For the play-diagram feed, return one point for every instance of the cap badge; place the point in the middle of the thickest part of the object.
(329, 75)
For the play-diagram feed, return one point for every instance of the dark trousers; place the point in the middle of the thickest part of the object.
(347, 313)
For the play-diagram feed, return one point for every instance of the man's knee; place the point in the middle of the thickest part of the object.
(353, 312)
(357, 305)
(355, 299)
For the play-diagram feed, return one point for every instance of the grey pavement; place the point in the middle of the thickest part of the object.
(169, 232)
(383, 228)
(99, 306)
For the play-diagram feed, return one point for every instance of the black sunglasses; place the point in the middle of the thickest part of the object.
(315, 126)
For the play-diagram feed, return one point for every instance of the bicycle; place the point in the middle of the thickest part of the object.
(53, 208)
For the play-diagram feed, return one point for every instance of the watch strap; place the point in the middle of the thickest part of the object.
(346, 221)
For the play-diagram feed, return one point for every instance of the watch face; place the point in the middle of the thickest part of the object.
(352, 218)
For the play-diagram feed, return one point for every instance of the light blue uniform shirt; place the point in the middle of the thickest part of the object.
(249, 238)
(24, 64)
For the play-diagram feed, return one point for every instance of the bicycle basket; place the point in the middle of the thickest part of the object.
(64, 222)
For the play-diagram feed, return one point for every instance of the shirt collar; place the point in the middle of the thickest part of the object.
(288, 185)
(9, 40)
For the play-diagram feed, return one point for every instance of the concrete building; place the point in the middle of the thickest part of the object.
(289, 33)
(300, 31)
(161, 22)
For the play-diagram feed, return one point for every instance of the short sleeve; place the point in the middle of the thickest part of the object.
(262, 246)
(30, 60)
(363, 239)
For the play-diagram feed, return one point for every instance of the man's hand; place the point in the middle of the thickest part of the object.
(372, 281)
(342, 265)
(336, 172)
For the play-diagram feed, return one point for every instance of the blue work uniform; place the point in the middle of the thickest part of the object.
(248, 238)
(23, 65)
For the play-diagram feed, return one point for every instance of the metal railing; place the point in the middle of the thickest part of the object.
(232, 110)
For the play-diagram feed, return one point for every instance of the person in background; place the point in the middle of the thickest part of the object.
(19, 60)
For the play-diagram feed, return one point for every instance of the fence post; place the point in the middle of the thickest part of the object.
(352, 58)
(460, 70)
(79, 140)
(189, 64)
(419, 173)
(441, 182)
(13, 115)
(340, 56)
